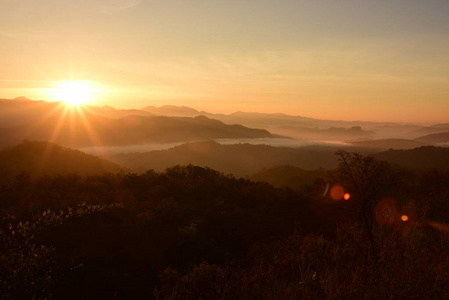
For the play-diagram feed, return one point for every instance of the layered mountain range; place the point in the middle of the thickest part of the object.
(89, 126)
(92, 126)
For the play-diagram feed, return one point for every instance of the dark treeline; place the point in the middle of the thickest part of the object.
(124, 229)
(194, 233)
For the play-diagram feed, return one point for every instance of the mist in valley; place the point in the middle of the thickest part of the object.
(202, 150)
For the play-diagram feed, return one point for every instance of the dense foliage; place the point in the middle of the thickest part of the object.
(178, 218)
(194, 233)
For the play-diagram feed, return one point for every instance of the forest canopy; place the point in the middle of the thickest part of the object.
(194, 233)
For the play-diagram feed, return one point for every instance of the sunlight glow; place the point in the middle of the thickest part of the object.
(73, 93)
(404, 218)
(346, 196)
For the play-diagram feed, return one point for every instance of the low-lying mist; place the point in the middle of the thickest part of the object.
(148, 147)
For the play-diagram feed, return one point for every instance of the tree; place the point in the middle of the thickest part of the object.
(363, 177)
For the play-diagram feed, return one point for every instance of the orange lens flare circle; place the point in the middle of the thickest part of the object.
(404, 218)
(337, 192)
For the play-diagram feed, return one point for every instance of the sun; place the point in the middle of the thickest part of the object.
(73, 93)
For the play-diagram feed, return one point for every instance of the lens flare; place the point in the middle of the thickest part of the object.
(404, 218)
(346, 196)
(337, 192)
(326, 189)
(387, 212)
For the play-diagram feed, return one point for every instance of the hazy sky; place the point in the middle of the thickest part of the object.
(339, 59)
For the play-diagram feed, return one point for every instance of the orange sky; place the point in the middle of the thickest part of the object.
(350, 59)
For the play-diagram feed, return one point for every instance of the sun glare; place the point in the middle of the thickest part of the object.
(73, 93)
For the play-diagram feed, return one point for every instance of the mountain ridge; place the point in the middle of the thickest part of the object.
(88, 126)
(30, 113)
(37, 158)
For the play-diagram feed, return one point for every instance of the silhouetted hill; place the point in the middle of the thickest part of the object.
(435, 138)
(386, 144)
(437, 128)
(21, 111)
(171, 110)
(43, 158)
(134, 129)
(112, 113)
(329, 134)
(422, 158)
(307, 127)
(264, 120)
(21, 117)
(288, 176)
(69, 128)
(193, 231)
(88, 126)
(246, 159)
(330, 129)
(237, 159)
(441, 125)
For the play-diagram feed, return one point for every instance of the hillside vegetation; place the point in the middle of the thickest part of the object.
(237, 159)
(43, 158)
(422, 158)
(246, 159)
(193, 233)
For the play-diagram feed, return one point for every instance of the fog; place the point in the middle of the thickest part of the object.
(147, 147)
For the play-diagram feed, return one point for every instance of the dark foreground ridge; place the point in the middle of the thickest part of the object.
(193, 233)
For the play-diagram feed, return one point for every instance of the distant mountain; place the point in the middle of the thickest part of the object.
(386, 144)
(278, 122)
(21, 111)
(112, 113)
(173, 111)
(442, 125)
(87, 130)
(43, 158)
(134, 129)
(437, 128)
(297, 127)
(87, 126)
(330, 134)
(270, 121)
(436, 138)
(68, 128)
(24, 114)
(422, 158)
(237, 159)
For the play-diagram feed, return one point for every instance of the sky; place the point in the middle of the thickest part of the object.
(383, 60)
